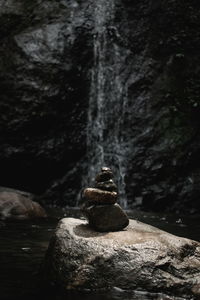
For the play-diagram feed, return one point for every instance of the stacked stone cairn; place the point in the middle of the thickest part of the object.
(100, 207)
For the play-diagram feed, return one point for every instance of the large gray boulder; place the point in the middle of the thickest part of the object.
(15, 204)
(141, 257)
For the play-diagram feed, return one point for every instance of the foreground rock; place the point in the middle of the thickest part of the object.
(141, 257)
(16, 204)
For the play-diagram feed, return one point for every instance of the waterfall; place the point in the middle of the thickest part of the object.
(108, 96)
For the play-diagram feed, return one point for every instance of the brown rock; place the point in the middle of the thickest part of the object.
(106, 218)
(19, 205)
(108, 185)
(105, 175)
(97, 196)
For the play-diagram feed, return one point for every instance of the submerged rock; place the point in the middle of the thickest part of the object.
(19, 205)
(141, 257)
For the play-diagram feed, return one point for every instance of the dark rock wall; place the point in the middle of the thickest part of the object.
(45, 60)
(43, 91)
(164, 103)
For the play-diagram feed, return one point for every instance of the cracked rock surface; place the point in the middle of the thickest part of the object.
(140, 257)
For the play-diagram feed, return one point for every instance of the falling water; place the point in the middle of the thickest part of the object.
(107, 103)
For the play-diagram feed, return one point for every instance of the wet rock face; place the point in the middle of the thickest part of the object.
(142, 257)
(162, 116)
(46, 55)
(43, 92)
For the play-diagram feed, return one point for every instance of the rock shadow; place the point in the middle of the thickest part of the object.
(84, 230)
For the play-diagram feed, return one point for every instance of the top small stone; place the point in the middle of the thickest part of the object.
(105, 175)
(105, 169)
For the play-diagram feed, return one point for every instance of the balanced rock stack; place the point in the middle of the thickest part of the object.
(100, 207)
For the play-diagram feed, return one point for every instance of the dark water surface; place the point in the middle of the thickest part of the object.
(23, 246)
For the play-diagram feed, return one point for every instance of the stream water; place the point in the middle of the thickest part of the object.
(23, 246)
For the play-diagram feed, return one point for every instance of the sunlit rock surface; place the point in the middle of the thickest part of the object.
(140, 257)
(19, 205)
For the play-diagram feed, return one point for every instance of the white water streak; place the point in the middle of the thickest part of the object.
(107, 99)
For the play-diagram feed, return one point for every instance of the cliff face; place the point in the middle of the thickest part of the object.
(46, 58)
(165, 105)
(43, 86)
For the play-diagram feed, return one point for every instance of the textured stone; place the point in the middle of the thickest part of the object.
(98, 196)
(104, 176)
(19, 205)
(141, 257)
(108, 185)
(106, 217)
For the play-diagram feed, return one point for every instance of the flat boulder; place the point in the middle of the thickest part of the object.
(141, 257)
(15, 204)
